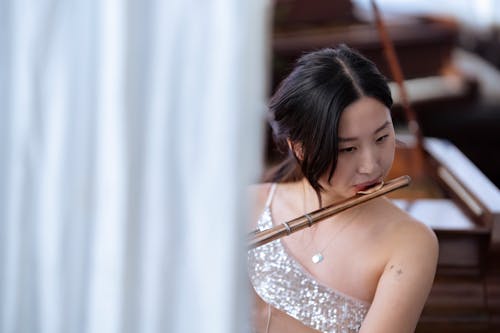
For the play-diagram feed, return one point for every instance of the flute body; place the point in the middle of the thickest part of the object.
(258, 238)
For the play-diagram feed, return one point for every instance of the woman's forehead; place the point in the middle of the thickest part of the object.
(365, 116)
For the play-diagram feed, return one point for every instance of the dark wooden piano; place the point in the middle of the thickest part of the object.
(448, 192)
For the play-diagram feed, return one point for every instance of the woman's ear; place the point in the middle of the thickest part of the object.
(296, 148)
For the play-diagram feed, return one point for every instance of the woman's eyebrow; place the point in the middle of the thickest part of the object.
(384, 125)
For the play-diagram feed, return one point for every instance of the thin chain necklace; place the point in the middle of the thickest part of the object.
(318, 256)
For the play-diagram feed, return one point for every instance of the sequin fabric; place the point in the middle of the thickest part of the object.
(282, 282)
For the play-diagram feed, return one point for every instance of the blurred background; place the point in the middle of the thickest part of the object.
(130, 130)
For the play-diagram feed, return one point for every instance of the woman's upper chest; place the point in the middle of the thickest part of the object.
(350, 264)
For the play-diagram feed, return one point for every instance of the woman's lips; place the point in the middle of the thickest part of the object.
(369, 187)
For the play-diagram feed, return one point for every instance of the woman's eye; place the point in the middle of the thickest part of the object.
(348, 150)
(382, 138)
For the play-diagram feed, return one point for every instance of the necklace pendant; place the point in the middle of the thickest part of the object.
(317, 258)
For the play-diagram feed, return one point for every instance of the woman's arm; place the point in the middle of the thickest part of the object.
(406, 281)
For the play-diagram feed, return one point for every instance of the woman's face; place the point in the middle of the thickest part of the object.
(366, 149)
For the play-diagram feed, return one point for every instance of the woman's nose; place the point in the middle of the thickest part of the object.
(368, 163)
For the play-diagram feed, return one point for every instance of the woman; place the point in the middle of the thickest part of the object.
(368, 269)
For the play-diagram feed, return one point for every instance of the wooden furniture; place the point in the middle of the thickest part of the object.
(423, 44)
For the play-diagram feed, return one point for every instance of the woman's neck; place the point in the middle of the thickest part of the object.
(314, 200)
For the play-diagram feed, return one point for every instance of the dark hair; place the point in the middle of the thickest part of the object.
(307, 106)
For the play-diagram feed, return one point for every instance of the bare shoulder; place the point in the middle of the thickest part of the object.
(408, 274)
(258, 190)
(411, 235)
(257, 195)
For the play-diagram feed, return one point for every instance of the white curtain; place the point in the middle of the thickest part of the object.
(129, 129)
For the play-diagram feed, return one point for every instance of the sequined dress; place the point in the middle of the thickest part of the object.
(285, 284)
